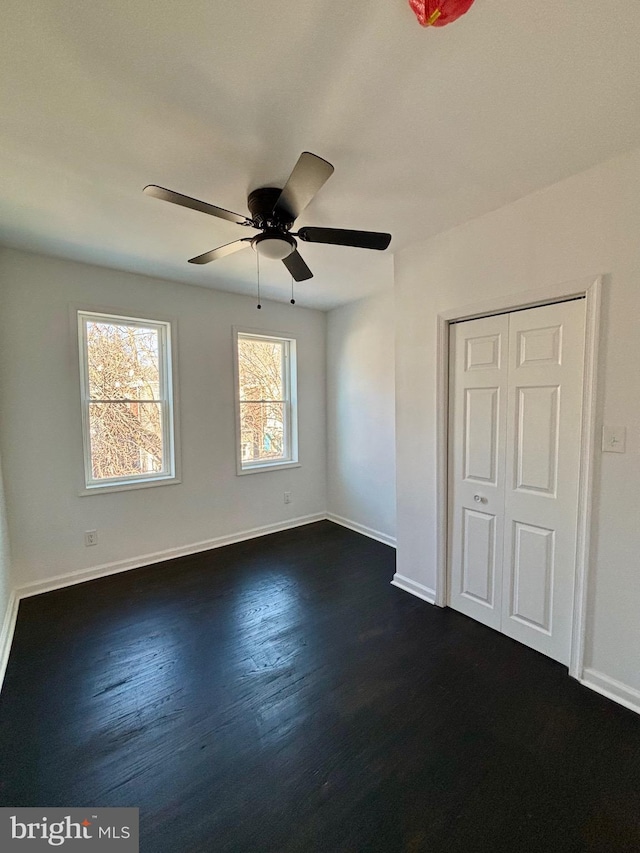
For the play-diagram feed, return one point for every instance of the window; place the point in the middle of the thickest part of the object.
(127, 408)
(266, 401)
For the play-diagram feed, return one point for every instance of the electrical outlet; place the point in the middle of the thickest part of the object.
(287, 497)
(90, 537)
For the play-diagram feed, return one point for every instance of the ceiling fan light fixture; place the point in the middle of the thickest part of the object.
(276, 247)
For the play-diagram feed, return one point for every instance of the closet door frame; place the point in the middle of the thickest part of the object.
(591, 290)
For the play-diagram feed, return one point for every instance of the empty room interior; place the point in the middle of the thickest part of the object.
(320, 425)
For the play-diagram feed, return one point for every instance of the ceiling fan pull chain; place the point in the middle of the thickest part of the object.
(293, 301)
(259, 306)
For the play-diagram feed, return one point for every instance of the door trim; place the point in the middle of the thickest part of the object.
(591, 289)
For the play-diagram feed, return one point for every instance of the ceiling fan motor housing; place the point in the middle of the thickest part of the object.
(261, 203)
(275, 242)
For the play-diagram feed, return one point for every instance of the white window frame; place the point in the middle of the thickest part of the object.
(169, 473)
(290, 400)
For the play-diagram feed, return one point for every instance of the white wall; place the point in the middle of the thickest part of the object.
(40, 442)
(5, 573)
(361, 414)
(583, 226)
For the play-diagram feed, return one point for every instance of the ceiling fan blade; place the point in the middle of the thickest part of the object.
(346, 237)
(309, 174)
(221, 251)
(297, 267)
(194, 204)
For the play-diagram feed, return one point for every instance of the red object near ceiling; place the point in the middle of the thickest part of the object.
(439, 13)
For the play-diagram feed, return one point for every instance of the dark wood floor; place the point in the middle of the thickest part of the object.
(280, 695)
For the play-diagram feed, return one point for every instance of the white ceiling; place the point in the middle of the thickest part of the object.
(212, 98)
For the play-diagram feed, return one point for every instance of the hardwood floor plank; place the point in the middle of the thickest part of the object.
(280, 695)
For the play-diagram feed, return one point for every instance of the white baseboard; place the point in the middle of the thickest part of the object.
(417, 589)
(612, 689)
(6, 633)
(81, 575)
(360, 528)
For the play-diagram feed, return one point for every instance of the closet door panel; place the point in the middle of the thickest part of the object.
(544, 415)
(477, 418)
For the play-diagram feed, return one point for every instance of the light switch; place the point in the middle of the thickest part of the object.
(614, 439)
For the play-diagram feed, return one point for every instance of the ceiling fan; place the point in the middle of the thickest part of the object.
(273, 212)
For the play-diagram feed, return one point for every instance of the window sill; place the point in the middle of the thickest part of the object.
(272, 466)
(128, 486)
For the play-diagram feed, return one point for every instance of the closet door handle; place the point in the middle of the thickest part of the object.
(479, 499)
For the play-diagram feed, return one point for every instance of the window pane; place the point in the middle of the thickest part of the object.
(262, 431)
(126, 439)
(123, 362)
(260, 369)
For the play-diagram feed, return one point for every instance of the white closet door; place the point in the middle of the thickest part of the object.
(478, 406)
(515, 414)
(546, 358)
